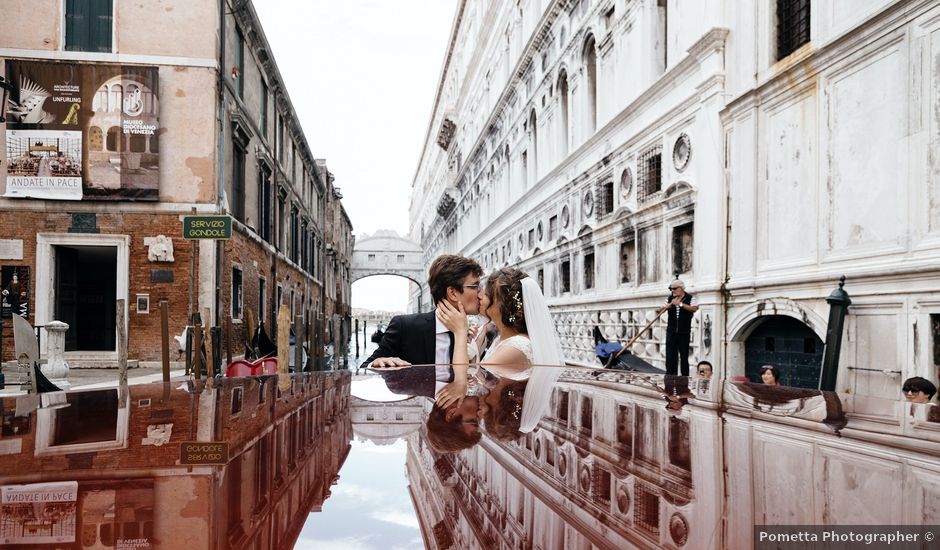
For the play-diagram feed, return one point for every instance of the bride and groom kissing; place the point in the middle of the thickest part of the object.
(519, 359)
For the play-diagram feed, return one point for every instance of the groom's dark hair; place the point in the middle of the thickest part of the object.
(449, 271)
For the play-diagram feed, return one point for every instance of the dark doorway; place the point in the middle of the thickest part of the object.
(85, 290)
(787, 344)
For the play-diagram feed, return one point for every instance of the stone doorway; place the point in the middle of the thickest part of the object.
(85, 290)
(787, 344)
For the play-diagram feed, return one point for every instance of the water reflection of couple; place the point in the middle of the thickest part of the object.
(521, 356)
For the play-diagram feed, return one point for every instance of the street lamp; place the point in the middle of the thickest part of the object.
(5, 89)
(838, 306)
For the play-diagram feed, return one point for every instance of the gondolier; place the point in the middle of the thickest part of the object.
(681, 307)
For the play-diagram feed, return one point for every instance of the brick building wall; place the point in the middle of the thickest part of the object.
(143, 328)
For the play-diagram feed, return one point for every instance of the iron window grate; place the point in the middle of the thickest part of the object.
(650, 172)
(792, 26)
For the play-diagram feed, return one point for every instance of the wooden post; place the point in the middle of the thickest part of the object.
(283, 347)
(189, 349)
(197, 347)
(357, 338)
(121, 314)
(298, 343)
(216, 351)
(208, 338)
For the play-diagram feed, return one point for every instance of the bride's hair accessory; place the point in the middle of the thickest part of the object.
(518, 310)
(516, 401)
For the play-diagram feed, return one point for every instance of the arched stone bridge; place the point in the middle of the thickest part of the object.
(388, 253)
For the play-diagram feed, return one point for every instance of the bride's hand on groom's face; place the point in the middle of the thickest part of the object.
(454, 318)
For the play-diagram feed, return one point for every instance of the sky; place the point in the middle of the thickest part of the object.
(362, 75)
(369, 508)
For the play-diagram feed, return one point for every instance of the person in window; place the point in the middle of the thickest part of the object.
(704, 369)
(681, 306)
(770, 375)
(918, 390)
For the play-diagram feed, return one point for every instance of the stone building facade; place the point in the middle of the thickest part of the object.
(190, 124)
(758, 152)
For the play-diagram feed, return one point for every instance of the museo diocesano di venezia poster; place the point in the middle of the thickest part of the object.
(82, 131)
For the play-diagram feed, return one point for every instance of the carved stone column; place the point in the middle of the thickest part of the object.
(57, 369)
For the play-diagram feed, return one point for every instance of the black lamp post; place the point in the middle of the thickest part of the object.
(838, 306)
(6, 88)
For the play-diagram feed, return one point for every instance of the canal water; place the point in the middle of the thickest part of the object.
(335, 460)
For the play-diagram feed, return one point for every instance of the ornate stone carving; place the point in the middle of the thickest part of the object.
(158, 434)
(446, 205)
(678, 529)
(446, 133)
(159, 248)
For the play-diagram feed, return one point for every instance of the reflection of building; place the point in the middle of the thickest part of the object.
(610, 468)
(603, 146)
(158, 126)
(285, 449)
(384, 423)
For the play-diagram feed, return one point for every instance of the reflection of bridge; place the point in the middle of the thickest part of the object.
(384, 423)
(387, 253)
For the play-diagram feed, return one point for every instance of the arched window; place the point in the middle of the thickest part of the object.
(563, 104)
(114, 139)
(117, 98)
(590, 73)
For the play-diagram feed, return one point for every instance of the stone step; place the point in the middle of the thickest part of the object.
(100, 363)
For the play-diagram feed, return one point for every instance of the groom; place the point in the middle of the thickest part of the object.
(420, 338)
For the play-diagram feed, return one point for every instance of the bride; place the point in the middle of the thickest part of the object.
(527, 347)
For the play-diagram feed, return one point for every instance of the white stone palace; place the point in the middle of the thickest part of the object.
(759, 149)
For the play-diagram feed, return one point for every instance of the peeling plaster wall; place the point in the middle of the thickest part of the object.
(32, 25)
(182, 27)
(188, 135)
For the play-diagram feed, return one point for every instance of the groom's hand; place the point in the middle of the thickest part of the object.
(388, 362)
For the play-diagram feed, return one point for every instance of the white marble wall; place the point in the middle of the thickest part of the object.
(801, 170)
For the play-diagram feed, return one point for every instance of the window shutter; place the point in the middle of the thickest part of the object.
(88, 25)
(100, 32)
(76, 26)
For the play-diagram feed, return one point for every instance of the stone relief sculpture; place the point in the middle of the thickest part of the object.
(158, 434)
(159, 248)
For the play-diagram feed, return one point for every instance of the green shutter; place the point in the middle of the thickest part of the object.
(88, 25)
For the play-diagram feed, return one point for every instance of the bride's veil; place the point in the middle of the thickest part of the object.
(546, 350)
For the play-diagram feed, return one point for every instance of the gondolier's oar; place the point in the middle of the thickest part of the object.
(633, 340)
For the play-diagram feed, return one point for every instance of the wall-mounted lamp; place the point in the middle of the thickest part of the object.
(5, 89)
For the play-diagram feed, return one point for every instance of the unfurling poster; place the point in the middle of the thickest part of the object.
(78, 131)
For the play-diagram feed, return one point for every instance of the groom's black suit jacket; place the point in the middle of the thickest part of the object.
(412, 338)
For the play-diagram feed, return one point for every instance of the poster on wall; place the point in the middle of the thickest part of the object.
(117, 514)
(38, 513)
(80, 131)
(14, 291)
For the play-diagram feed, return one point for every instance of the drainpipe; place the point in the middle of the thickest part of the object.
(220, 188)
(220, 159)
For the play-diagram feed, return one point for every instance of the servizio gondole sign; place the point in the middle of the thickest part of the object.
(207, 227)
